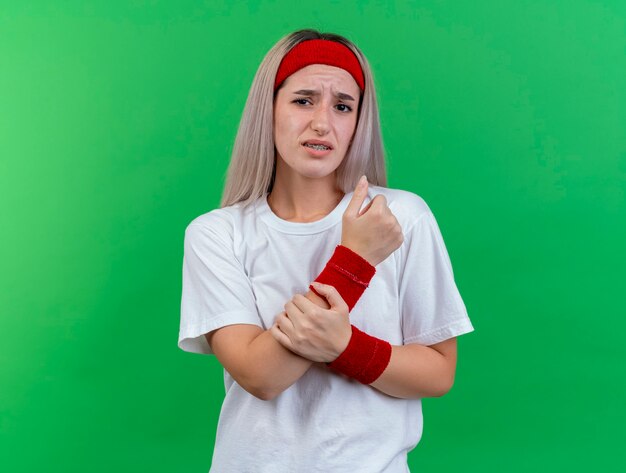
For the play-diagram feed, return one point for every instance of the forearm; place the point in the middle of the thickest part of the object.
(415, 371)
(273, 368)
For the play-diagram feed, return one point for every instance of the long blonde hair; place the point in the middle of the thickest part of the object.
(253, 162)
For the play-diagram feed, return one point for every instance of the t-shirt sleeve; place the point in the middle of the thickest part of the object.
(431, 307)
(216, 291)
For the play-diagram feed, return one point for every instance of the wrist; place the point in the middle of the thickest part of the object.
(362, 253)
(347, 272)
(365, 357)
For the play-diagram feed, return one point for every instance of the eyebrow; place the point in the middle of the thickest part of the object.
(315, 93)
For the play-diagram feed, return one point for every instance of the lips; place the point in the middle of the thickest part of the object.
(318, 142)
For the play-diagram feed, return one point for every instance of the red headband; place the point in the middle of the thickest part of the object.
(319, 51)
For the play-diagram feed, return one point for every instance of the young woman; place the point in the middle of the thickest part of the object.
(329, 299)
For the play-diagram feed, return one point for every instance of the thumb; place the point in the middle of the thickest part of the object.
(332, 296)
(360, 192)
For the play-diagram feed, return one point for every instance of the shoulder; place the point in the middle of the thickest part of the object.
(216, 218)
(227, 228)
(219, 224)
(406, 206)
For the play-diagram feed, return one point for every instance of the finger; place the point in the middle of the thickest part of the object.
(366, 208)
(280, 337)
(303, 303)
(332, 296)
(378, 201)
(360, 191)
(293, 315)
(285, 323)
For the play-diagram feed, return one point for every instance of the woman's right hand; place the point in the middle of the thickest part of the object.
(374, 232)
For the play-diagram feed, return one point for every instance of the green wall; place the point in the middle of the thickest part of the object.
(116, 124)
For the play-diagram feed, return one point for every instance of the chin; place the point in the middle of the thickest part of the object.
(318, 172)
(312, 168)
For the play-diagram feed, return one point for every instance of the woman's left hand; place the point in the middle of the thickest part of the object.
(313, 332)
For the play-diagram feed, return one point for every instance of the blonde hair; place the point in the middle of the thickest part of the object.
(253, 162)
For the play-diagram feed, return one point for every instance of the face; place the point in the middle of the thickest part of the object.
(318, 103)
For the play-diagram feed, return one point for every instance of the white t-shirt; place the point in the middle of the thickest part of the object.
(241, 265)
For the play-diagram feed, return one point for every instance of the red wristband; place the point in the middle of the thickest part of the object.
(364, 359)
(347, 272)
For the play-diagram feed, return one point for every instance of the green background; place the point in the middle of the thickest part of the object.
(117, 120)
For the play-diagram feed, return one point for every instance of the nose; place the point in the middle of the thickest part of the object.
(320, 122)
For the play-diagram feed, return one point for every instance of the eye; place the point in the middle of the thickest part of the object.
(347, 107)
(299, 101)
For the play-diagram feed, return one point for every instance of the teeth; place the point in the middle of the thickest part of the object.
(319, 147)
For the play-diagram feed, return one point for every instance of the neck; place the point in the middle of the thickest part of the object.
(302, 199)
